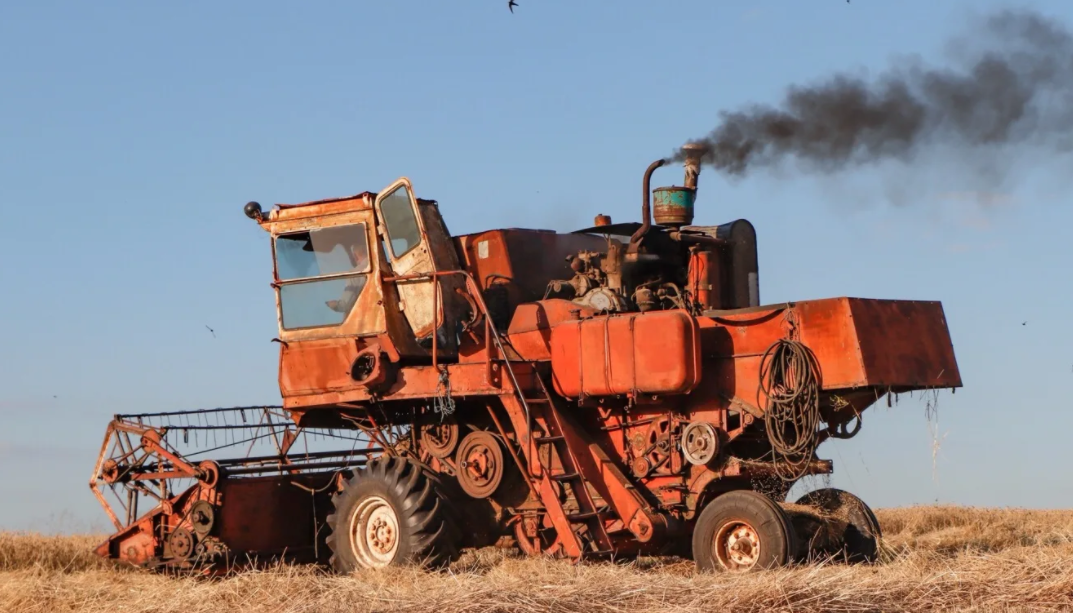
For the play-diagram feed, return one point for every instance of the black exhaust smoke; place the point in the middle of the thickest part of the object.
(1015, 87)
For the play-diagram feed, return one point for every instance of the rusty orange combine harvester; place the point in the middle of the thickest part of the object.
(615, 391)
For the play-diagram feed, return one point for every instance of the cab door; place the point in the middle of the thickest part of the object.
(410, 253)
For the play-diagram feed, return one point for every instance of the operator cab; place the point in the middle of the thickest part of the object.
(357, 277)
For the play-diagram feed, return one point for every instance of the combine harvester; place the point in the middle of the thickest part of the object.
(616, 391)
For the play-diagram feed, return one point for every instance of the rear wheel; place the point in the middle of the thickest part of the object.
(391, 513)
(852, 530)
(741, 531)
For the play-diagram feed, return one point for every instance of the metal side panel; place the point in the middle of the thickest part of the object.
(905, 343)
(879, 343)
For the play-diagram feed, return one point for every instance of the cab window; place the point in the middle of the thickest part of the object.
(402, 229)
(321, 274)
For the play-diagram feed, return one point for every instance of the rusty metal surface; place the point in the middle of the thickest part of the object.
(204, 514)
(530, 328)
(527, 259)
(269, 515)
(582, 369)
(858, 342)
(631, 354)
(904, 344)
(705, 280)
(415, 382)
(416, 296)
(646, 208)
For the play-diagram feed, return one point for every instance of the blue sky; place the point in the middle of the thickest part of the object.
(131, 134)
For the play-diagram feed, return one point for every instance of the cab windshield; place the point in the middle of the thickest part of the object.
(321, 274)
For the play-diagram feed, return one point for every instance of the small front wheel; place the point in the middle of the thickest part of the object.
(741, 531)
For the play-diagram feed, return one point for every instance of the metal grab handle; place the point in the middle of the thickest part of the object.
(491, 335)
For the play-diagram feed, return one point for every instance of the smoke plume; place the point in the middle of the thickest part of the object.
(1011, 84)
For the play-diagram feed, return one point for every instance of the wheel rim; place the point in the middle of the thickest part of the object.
(374, 532)
(737, 546)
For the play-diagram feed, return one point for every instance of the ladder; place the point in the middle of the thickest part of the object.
(573, 529)
(588, 520)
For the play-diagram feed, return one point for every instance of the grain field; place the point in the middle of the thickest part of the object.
(936, 559)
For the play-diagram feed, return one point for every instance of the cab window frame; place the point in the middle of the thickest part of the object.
(413, 206)
(360, 228)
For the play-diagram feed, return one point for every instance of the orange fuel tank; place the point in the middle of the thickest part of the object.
(636, 353)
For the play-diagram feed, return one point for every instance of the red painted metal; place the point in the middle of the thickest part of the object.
(585, 356)
(632, 354)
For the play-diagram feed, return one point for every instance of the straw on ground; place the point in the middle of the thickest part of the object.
(939, 559)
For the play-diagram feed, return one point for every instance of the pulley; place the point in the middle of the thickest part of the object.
(700, 443)
(180, 543)
(480, 464)
(202, 517)
(440, 438)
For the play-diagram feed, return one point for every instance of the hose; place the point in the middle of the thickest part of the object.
(789, 383)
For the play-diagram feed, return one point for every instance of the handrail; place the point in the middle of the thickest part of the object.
(490, 333)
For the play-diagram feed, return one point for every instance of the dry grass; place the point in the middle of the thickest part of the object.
(941, 559)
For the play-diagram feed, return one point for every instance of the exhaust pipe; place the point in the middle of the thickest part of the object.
(692, 154)
(646, 207)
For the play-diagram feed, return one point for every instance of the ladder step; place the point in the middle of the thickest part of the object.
(537, 400)
(580, 516)
(565, 476)
(547, 439)
(601, 552)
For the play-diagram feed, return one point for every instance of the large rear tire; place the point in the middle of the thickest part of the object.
(391, 513)
(858, 529)
(742, 531)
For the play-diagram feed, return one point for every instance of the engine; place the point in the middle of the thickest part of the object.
(667, 264)
(599, 283)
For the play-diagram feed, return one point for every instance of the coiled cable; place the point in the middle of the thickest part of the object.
(790, 388)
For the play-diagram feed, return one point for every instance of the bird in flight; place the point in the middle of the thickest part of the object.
(511, 4)
(211, 330)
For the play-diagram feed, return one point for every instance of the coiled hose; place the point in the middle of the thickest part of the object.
(790, 386)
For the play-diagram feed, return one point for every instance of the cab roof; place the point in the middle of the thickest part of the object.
(328, 206)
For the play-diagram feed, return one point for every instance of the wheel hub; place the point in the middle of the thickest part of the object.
(381, 535)
(737, 546)
(374, 532)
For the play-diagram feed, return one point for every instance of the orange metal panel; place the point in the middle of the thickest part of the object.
(647, 353)
(857, 342)
(827, 328)
(905, 343)
(270, 514)
(317, 366)
(417, 382)
(880, 343)
(530, 258)
(530, 328)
